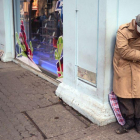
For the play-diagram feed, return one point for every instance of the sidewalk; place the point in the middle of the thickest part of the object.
(29, 110)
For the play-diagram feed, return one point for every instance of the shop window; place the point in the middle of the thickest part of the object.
(43, 23)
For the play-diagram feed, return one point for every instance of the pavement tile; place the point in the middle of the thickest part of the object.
(20, 128)
(7, 137)
(21, 90)
(4, 133)
(33, 104)
(29, 127)
(25, 122)
(5, 108)
(14, 110)
(40, 137)
(55, 120)
(25, 134)
(14, 133)
(10, 104)
(107, 133)
(39, 96)
(32, 97)
(43, 103)
(15, 121)
(32, 138)
(56, 138)
(54, 100)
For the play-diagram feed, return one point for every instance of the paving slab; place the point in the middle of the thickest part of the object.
(108, 133)
(55, 120)
(7, 65)
(22, 91)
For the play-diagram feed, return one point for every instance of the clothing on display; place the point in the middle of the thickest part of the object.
(59, 8)
(43, 25)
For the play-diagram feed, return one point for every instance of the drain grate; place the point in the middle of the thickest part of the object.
(36, 126)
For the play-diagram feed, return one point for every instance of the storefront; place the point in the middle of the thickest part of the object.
(87, 30)
(89, 41)
(39, 27)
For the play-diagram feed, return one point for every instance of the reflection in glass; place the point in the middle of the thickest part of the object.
(43, 21)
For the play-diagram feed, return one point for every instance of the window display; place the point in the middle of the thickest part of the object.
(43, 23)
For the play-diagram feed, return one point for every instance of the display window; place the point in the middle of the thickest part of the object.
(39, 37)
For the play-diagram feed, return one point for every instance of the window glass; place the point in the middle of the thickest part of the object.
(43, 25)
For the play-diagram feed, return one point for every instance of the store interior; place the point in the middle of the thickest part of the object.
(43, 21)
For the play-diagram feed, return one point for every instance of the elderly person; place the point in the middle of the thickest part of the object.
(126, 82)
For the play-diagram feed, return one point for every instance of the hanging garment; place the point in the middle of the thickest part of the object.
(59, 8)
(54, 42)
(58, 66)
(49, 4)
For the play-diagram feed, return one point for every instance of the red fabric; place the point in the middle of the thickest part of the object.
(23, 38)
(58, 66)
(58, 69)
(54, 43)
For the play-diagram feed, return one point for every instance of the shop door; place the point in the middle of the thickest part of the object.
(43, 27)
(87, 26)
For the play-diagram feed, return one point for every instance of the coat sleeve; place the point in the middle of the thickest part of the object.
(124, 49)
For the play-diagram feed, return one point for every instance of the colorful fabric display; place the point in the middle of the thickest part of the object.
(58, 67)
(54, 43)
(59, 8)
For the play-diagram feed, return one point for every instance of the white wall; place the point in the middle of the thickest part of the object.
(8, 29)
(110, 40)
(87, 34)
(2, 27)
(128, 10)
(81, 49)
(88, 53)
(69, 38)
